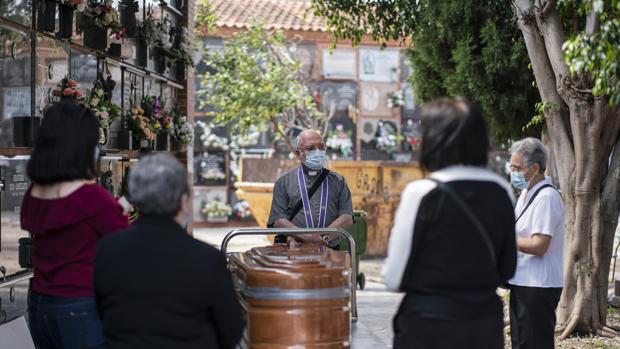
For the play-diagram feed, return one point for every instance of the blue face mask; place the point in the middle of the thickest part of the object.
(517, 179)
(315, 159)
(97, 153)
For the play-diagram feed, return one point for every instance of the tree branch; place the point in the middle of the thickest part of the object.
(593, 23)
(550, 26)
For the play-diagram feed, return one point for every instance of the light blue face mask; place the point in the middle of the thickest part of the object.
(517, 179)
(315, 159)
(97, 153)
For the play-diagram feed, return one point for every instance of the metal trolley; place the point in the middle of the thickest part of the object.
(297, 231)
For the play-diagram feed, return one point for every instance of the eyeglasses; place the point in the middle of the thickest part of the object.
(515, 168)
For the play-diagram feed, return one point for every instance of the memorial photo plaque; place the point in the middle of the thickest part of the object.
(378, 65)
(339, 64)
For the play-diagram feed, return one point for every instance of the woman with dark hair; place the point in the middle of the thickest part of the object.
(67, 214)
(453, 240)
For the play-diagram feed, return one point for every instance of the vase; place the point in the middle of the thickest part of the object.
(65, 21)
(25, 130)
(46, 15)
(128, 18)
(223, 219)
(115, 50)
(180, 71)
(142, 49)
(103, 136)
(96, 38)
(162, 142)
(159, 58)
(124, 139)
(174, 144)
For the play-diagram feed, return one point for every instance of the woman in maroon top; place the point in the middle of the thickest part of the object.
(67, 214)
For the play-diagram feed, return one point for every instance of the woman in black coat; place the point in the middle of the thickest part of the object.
(453, 240)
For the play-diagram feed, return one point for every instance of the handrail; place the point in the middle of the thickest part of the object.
(297, 231)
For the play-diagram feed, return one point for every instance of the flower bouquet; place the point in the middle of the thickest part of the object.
(238, 141)
(210, 140)
(68, 89)
(216, 211)
(340, 141)
(388, 139)
(140, 126)
(106, 111)
(395, 99)
(103, 17)
(242, 209)
(182, 132)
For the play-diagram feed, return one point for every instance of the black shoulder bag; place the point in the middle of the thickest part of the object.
(532, 199)
(300, 204)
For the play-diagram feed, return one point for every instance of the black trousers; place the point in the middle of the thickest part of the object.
(532, 316)
(430, 331)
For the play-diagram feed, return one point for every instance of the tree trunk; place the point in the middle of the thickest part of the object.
(583, 132)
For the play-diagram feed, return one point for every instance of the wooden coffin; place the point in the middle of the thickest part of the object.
(294, 298)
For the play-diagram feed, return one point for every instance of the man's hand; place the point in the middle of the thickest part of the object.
(311, 238)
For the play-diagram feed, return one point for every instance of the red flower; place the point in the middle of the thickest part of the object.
(78, 93)
(72, 83)
(68, 91)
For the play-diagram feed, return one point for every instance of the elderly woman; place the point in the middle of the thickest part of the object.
(156, 286)
(536, 287)
(453, 239)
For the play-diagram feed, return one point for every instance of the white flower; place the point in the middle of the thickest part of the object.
(94, 102)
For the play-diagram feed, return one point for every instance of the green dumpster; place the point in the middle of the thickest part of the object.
(359, 231)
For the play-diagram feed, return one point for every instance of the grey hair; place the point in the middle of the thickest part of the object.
(156, 184)
(533, 151)
(297, 139)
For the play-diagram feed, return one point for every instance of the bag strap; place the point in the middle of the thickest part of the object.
(484, 233)
(532, 199)
(311, 192)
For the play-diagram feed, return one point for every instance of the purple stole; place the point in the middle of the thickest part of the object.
(306, 200)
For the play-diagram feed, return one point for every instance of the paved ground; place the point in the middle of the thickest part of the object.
(375, 304)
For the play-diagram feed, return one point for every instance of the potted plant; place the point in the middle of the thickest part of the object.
(146, 38)
(128, 9)
(216, 211)
(46, 15)
(162, 53)
(183, 53)
(65, 16)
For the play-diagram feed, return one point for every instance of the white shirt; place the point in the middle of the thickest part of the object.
(401, 238)
(544, 216)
